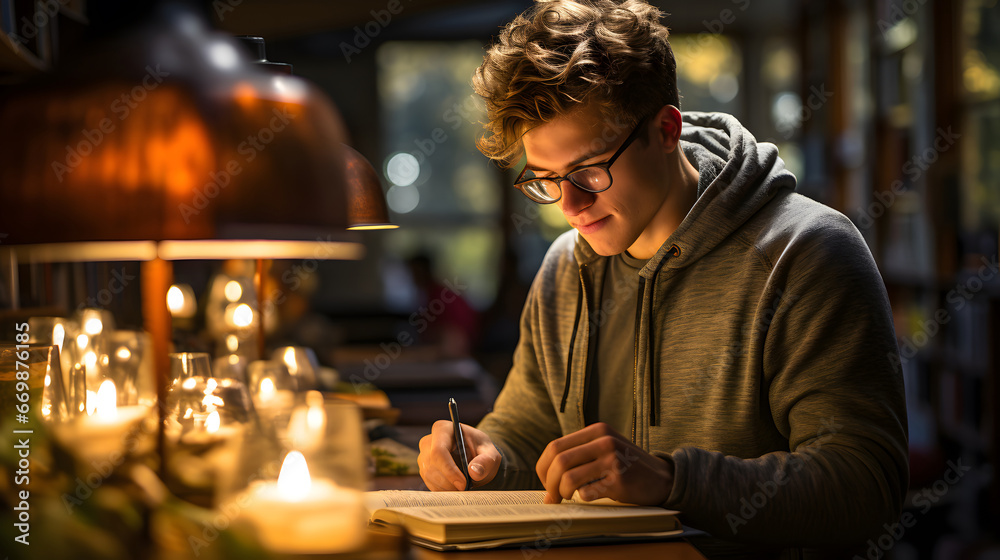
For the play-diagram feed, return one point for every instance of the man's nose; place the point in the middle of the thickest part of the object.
(574, 200)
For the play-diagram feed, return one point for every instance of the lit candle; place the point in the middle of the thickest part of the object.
(209, 431)
(289, 358)
(272, 399)
(102, 432)
(299, 515)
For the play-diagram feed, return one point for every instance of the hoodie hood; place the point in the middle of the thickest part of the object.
(737, 176)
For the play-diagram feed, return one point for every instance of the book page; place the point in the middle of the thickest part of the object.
(420, 498)
(494, 513)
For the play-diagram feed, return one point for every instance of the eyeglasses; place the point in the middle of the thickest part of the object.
(594, 178)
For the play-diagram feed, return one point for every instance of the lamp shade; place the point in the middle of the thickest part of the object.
(169, 132)
(367, 209)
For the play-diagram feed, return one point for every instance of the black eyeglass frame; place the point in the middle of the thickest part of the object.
(605, 165)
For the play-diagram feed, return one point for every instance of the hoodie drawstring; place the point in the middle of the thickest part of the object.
(652, 366)
(572, 341)
(654, 385)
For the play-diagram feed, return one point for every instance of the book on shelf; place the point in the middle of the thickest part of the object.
(493, 518)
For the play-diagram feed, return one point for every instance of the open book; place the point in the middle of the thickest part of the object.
(487, 519)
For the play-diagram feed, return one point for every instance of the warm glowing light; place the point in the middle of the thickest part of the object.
(93, 326)
(90, 360)
(233, 291)
(106, 407)
(58, 336)
(233, 359)
(204, 249)
(175, 300)
(105, 360)
(244, 94)
(211, 400)
(289, 359)
(82, 341)
(243, 315)
(266, 389)
(369, 227)
(181, 301)
(232, 343)
(316, 418)
(189, 383)
(294, 482)
(123, 353)
(212, 422)
(91, 402)
(48, 380)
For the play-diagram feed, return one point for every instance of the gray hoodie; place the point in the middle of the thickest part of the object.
(766, 364)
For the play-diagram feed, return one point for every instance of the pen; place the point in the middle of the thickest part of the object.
(463, 457)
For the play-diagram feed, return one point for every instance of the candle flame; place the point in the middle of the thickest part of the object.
(315, 415)
(212, 422)
(294, 482)
(106, 407)
(289, 359)
(175, 300)
(58, 335)
(211, 401)
(266, 389)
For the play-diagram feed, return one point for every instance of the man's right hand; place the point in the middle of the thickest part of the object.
(437, 465)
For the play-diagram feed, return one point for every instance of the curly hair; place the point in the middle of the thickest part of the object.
(561, 54)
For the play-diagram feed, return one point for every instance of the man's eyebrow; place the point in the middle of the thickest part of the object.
(571, 164)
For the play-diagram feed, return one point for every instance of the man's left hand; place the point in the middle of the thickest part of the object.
(601, 463)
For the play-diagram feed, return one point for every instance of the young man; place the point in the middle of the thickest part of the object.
(704, 339)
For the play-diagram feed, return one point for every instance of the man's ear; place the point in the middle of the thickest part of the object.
(668, 127)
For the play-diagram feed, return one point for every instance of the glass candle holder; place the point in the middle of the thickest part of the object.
(307, 502)
(302, 366)
(23, 370)
(204, 433)
(129, 364)
(61, 333)
(232, 366)
(272, 389)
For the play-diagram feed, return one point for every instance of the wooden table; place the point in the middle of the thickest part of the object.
(679, 550)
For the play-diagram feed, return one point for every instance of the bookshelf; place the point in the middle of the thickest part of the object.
(926, 196)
